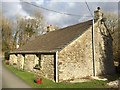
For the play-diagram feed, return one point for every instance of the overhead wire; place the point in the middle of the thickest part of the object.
(53, 10)
(88, 8)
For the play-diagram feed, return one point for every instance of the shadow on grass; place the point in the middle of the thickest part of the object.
(113, 77)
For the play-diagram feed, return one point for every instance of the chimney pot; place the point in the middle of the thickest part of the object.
(98, 8)
(50, 28)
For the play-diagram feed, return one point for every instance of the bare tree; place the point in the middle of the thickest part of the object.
(39, 22)
(28, 28)
(112, 22)
(112, 25)
(6, 33)
(0, 31)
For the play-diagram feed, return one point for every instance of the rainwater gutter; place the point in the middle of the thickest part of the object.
(93, 48)
(56, 63)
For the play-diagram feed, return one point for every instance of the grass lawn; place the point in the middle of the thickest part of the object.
(29, 78)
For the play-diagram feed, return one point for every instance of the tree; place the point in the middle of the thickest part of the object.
(0, 30)
(112, 25)
(6, 34)
(28, 28)
(39, 22)
(111, 22)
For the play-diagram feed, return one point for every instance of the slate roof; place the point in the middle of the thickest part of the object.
(55, 40)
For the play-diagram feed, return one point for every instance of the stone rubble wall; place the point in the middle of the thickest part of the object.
(30, 61)
(20, 63)
(114, 84)
(13, 59)
(99, 51)
(47, 66)
(103, 51)
(75, 60)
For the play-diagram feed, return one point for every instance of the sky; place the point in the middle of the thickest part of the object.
(11, 8)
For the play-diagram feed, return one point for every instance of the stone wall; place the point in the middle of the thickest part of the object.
(13, 59)
(27, 62)
(75, 60)
(47, 65)
(20, 63)
(103, 51)
(30, 61)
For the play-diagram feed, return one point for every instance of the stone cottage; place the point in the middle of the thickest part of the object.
(69, 53)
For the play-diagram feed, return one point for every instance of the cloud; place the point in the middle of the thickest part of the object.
(84, 18)
(55, 18)
(71, 4)
(77, 8)
(10, 0)
(39, 2)
(11, 9)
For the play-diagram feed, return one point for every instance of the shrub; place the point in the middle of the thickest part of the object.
(7, 55)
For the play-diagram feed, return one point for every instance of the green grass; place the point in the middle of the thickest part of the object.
(29, 78)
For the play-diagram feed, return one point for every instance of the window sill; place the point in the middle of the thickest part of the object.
(38, 68)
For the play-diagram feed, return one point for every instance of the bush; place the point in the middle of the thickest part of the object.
(7, 55)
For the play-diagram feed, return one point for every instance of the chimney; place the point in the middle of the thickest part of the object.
(98, 14)
(50, 28)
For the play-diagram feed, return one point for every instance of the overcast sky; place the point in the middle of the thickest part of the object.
(11, 9)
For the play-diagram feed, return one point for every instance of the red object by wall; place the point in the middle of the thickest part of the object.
(7, 62)
(39, 81)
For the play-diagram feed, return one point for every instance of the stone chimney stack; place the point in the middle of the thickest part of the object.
(98, 14)
(50, 28)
